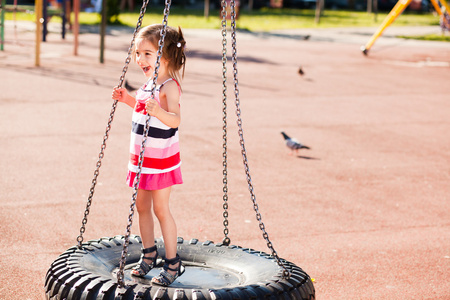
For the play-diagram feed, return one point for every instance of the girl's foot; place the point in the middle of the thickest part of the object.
(146, 263)
(173, 268)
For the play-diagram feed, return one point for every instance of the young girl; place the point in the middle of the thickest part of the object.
(161, 165)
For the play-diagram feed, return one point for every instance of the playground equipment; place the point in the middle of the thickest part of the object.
(93, 269)
(38, 9)
(2, 23)
(46, 14)
(43, 14)
(393, 14)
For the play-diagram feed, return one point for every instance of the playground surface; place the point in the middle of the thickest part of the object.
(365, 212)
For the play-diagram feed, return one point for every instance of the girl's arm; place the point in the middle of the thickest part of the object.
(121, 95)
(169, 111)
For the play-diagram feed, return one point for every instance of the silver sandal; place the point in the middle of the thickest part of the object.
(165, 278)
(142, 268)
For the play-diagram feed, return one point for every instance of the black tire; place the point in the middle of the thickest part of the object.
(213, 271)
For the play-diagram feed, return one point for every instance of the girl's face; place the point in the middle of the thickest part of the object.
(146, 54)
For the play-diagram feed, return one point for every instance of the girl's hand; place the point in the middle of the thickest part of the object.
(119, 94)
(152, 107)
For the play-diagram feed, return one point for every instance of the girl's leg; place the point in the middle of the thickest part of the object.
(146, 225)
(167, 222)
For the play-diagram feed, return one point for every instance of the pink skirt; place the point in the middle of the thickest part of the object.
(153, 182)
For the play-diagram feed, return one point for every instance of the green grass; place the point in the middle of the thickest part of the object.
(265, 19)
(429, 37)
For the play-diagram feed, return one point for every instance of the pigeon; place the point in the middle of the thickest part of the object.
(293, 144)
(300, 71)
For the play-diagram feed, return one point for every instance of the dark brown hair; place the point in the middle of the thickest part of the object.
(174, 47)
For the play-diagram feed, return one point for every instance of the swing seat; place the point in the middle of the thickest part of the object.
(213, 271)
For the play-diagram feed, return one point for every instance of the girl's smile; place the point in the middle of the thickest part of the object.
(145, 69)
(146, 56)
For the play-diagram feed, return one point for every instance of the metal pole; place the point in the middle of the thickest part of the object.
(2, 24)
(395, 12)
(447, 7)
(45, 18)
(63, 17)
(436, 7)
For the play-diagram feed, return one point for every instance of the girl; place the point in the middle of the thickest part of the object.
(161, 165)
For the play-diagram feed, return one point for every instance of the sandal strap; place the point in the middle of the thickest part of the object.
(173, 261)
(142, 267)
(166, 278)
(149, 250)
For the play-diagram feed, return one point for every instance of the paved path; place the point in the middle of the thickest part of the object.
(365, 212)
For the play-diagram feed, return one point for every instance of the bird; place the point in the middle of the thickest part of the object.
(300, 71)
(293, 144)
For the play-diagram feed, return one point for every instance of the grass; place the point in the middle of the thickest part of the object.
(264, 19)
(429, 37)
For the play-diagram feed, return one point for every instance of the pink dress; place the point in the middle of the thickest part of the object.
(161, 164)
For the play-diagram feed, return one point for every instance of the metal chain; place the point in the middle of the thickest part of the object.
(226, 240)
(120, 272)
(108, 128)
(265, 235)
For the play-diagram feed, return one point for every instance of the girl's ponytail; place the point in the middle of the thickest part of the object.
(180, 56)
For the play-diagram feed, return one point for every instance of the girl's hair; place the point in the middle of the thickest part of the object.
(173, 50)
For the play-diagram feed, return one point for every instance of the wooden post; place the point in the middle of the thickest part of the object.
(76, 26)
(38, 10)
(369, 6)
(319, 9)
(206, 9)
(375, 10)
(103, 31)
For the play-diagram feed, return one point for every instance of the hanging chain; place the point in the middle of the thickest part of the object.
(120, 273)
(226, 240)
(265, 235)
(108, 128)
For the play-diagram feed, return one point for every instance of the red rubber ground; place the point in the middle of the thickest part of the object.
(365, 212)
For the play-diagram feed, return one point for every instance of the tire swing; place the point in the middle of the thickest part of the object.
(100, 269)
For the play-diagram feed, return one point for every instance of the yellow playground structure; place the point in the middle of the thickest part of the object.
(395, 12)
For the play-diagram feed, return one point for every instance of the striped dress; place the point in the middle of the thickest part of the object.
(161, 165)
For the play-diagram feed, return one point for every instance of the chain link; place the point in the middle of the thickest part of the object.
(120, 272)
(265, 235)
(226, 240)
(108, 129)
